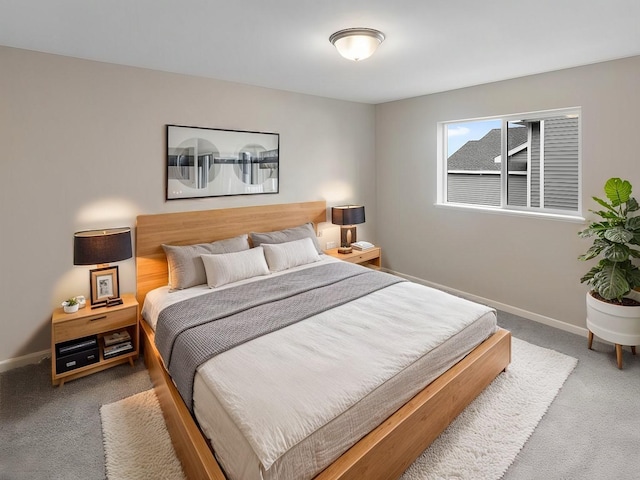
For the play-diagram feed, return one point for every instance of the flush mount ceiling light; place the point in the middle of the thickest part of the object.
(357, 43)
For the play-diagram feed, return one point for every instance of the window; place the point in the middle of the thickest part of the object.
(541, 173)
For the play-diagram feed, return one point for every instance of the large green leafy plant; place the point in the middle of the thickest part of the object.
(615, 275)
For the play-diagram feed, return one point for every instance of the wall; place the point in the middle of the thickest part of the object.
(83, 146)
(527, 264)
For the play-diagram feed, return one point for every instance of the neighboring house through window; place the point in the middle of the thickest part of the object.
(541, 173)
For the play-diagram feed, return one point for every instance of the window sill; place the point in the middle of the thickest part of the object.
(513, 213)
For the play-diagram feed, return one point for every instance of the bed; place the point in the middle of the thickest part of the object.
(383, 452)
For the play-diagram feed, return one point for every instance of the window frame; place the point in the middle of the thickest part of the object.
(504, 208)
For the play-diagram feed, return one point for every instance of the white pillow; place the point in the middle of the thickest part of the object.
(281, 256)
(231, 267)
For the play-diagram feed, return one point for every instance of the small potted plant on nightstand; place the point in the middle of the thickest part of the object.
(70, 305)
(613, 306)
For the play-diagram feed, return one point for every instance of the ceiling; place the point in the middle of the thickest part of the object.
(431, 45)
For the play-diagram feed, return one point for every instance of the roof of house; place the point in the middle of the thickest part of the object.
(480, 155)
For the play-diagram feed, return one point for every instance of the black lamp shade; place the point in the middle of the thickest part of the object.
(347, 215)
(95, 247)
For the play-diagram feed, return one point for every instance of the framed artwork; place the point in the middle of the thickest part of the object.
(210, 162)
(104, 286)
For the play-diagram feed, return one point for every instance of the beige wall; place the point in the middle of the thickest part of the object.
(528, 264)
(83, 146)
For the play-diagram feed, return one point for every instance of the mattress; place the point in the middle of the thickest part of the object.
(286, 405)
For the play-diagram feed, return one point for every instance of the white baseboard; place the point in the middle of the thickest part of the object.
(29, 359)
(552, 322)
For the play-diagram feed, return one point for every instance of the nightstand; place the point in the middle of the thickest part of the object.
(372, 256)
(77, 339)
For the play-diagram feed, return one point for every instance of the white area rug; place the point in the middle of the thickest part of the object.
(136, 441)
(480, 444)
(485, 438)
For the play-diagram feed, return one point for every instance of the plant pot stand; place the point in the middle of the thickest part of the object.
(617, 324)
(618, 350)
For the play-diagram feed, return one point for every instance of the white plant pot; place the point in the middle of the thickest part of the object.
(614, 323)
(70, 308)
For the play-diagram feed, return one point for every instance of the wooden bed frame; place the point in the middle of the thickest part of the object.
(382, 454)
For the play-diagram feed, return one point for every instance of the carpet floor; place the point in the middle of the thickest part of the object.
(480, 444)
(590, 432)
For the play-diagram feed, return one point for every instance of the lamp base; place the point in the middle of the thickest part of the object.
(345, 250)
(347, 235)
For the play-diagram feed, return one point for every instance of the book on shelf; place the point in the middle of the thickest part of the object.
(116, 337)
(117, 349)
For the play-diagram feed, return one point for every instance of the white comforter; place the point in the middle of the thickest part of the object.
(287, 404)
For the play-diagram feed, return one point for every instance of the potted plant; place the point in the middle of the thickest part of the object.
(613, 307)
(70, 305)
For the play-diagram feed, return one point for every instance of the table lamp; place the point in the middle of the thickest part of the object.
(347, 216)
(100, 247)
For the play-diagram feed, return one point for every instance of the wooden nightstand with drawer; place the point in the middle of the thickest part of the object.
(371, 256)
(78, 343)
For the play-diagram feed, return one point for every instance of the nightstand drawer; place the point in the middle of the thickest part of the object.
(92, 324)
(371, 257)
(364, 256)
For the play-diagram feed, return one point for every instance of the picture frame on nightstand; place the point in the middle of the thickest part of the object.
(104, 285)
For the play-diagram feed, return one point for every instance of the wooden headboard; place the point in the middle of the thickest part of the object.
(186, 228)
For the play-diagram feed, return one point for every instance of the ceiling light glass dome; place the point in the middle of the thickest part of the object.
(357, 43)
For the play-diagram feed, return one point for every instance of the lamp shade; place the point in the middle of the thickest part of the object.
(94, 247)
(347, 215)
